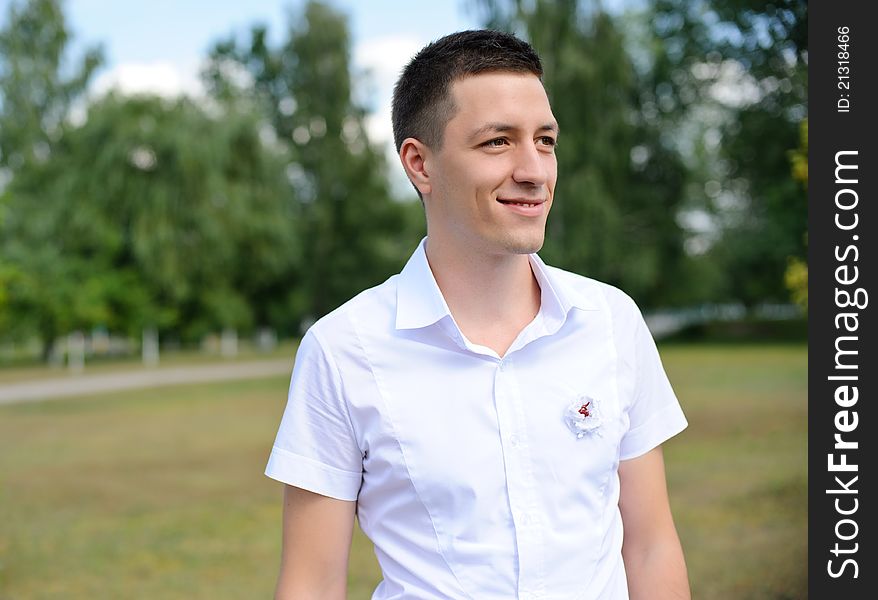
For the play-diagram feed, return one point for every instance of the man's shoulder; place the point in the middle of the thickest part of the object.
(586, 291)
(372, 305)
(621, 312)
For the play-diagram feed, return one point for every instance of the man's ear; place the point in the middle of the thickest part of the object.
(414, 156)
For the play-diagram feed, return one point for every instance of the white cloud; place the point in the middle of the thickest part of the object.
(162, 78)
(382, 59)
(385, 56)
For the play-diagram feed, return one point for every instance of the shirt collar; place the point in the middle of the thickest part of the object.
(419, 301)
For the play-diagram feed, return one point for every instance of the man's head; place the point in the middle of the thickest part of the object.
(479, 144)
(422, 99)
(476, 136)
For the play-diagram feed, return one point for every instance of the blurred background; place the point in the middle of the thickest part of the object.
(186, 186)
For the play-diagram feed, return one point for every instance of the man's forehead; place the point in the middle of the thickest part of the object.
(478, 79)
(487, 103)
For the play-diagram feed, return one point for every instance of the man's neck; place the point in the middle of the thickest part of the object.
(491, 297)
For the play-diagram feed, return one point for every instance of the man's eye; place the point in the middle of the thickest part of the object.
(548, 140)
(495, 143)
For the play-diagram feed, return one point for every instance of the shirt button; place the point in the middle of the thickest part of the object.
(514, 440)
(524, 519)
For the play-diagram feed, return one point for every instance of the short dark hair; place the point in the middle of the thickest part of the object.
(422, 102)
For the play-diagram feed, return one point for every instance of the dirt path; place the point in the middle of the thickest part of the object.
(81, 385)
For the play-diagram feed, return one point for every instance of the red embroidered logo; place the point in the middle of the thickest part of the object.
(583, 416)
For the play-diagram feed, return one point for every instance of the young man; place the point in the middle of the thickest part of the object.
(494, 423)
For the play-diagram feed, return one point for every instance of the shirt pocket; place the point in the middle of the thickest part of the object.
(577, 467)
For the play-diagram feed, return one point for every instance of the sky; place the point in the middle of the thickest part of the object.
(158, 46)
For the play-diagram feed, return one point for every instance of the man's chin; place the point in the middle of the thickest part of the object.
(525, 246)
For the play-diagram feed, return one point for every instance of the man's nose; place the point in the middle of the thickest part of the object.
(531, 165)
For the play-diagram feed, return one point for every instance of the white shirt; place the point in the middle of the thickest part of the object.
(470, 476)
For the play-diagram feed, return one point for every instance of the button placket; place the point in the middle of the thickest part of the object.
(519, 480)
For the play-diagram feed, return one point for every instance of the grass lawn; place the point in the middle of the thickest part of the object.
(738, 475)
(160, 493)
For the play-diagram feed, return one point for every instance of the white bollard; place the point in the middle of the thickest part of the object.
(266, 339)
(56, 353)
(76, 352)
(150, 347)
(229, 343)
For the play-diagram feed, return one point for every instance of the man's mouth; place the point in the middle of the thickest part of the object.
(526, 203)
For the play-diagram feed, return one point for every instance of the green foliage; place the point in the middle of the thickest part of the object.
(796, 275)
(35, 98)
(34, 95)
(151, 213)
(267, 204)
(796, 280)
(799, 156)
(746, 65)
(353, 234)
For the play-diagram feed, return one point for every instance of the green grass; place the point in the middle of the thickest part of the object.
(738, 475)
(160, 493)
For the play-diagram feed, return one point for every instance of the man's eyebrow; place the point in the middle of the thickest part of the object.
(499, 127)
(487, 128)
(552, 127)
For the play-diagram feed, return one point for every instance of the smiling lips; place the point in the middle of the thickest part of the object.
(521, 202)
(526, 206)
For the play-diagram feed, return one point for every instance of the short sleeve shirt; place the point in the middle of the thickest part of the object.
(478, 476)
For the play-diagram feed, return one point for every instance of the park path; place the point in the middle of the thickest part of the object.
(86, 384)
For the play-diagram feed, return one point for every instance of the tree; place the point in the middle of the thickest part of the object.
(796, 275)
(748, 62)
(151, 213)
(352, 232)
(35, 97)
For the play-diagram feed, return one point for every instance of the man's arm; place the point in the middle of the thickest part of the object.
(651, 548)
(317, 532)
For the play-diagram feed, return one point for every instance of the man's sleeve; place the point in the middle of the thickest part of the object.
(654, 414)
(316, 448)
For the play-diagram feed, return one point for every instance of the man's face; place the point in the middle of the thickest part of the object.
(493, 180)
